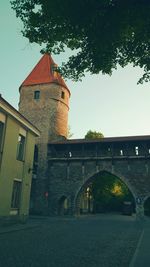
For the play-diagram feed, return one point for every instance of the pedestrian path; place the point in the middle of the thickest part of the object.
(32, 222)
(18, 227)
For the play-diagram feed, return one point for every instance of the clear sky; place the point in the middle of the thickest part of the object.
(114, 105)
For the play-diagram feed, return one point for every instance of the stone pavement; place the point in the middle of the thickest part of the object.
(98, 241)
(33, 222)
(141, 257)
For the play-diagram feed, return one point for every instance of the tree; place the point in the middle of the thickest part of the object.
(69, 133)
(103, 33)
(93, 135)
(109, 193)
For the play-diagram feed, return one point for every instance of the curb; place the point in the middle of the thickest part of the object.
(135, 255)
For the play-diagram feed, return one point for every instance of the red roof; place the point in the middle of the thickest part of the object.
(43, 73)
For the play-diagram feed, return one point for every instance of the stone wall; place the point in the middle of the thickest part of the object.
(69, 176)
(49, 114)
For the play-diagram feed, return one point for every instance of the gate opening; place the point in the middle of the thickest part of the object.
(106, 193)
(63, 206)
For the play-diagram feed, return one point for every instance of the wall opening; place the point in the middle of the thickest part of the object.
(63, 95)
(63, 206)
(105, 193)
(37, 95)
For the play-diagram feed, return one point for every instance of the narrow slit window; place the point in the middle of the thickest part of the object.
(62, 94)
(37, 95)
(121, 152)
(136, 150)
(70, 154)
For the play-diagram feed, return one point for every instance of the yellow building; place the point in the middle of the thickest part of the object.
(17, 140)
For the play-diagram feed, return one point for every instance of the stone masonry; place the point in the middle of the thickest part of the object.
(74, 164)
(66, 167)
(49, 113)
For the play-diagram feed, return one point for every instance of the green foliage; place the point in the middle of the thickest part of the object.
(103, 33)
(93, 135)
(69, 133)
(105, 195)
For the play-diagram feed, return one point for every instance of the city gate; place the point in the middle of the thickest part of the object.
(72, 164)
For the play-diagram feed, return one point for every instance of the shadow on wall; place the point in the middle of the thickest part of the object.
(147, 207)
(63, 206)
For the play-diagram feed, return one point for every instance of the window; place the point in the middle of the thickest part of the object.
(136, 150)
(63, 94)
(16, 193)
(37, 95)
(20, 147)
(1, 134)
(121, 152)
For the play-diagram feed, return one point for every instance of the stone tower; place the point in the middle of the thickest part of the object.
(44, 100)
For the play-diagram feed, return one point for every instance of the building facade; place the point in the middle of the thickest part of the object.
(17, 140)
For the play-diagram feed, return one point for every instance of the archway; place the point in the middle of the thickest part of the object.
(63, 206)
(147, 206)
(105, 192)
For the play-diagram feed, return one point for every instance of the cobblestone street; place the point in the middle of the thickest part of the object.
(93, 241)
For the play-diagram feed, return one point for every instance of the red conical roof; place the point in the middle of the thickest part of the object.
(43, 73)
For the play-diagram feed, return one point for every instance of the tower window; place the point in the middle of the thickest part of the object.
(37, 95)
(62, 94)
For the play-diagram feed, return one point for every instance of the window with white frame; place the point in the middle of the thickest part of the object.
(21, 144)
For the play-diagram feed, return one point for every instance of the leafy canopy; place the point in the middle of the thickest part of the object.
(93, 135)
(109, 192)
(103, 33)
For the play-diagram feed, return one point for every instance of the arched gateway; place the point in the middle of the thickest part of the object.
(84, 190)
(72, 164)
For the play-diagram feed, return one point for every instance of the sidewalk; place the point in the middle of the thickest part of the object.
(33, 221)
(141, 256)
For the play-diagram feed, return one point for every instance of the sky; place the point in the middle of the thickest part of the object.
(114, 105)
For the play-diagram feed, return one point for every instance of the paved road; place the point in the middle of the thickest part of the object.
(94, 241)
